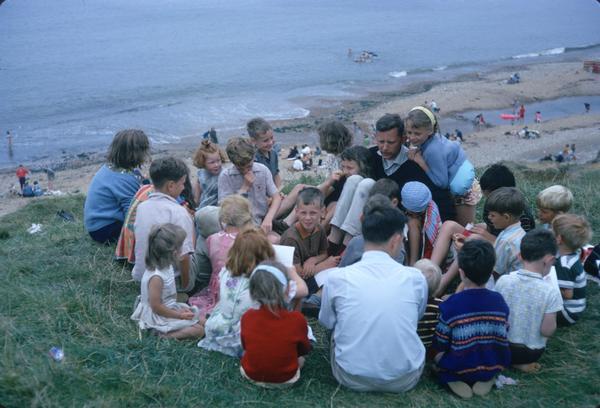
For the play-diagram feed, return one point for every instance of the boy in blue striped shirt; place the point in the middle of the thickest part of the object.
(572, 232)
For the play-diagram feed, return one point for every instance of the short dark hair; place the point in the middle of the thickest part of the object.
(538, 243)
(129, 149)
(379, 225)
(310, 195)
(361, 155)
(390, 121)
(506, 200)
(496, 176)
(334, 137)
(387, 187)
(167, 169)
(477, 259)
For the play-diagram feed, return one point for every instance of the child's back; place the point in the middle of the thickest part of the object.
(473, 333)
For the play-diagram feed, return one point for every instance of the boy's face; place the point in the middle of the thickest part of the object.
(500, 221)
(309, 215)
(175, 188)
(244, 168)
(264, 142)
(349, 167)
(546, 216)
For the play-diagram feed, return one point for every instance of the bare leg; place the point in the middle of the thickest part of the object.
(447, 278)
(329, 215)
(465, 214)
(414, 240)
(528, 368)
(443, 241)
(195, 331)
(301, 362)
(336, 235)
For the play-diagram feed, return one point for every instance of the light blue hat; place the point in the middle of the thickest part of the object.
(415, 196)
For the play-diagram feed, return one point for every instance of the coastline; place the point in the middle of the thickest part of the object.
(542, 81)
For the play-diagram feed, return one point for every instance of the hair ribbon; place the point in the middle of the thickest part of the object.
(273, 271)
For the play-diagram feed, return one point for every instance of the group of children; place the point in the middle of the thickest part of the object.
(249, 305)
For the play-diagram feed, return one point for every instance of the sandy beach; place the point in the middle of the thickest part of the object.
(472, 92)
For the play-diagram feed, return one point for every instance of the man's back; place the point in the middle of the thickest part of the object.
(373, 308)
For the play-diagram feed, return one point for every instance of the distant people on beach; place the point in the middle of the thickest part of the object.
(22, 173)
(9, 141)
(479, 121)
(514, 78)
(587, 107)
(366, 56)
(459, 135)
(211, 135)
(434, 106)
(51, 176)
(538, 117)
(522, 113)
(293, 153)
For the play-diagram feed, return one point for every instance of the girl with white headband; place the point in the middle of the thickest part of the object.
(444, 161)
(274, 339)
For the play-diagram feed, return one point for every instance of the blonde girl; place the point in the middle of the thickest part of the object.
(157, 308)
(234, 216)
(209, 160)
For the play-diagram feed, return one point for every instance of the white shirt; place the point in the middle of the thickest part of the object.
(373, 308)
(159, 208)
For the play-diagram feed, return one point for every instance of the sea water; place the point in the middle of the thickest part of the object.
(73, 72)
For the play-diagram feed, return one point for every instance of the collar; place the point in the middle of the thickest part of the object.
(304, 233)
(427, 142)
(399, 160)
(161, 196)
(265, 156)
(375, 255)
(514, 226)
(529, 274)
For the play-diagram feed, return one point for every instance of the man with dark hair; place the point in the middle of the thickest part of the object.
(386, 354)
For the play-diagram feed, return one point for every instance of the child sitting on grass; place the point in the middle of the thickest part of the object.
(308, 238)
(234, 216)
(209, 160)
(273, 338)
(250, 248)
(533, 302)
(572, 232)
(251, 180)
(157, 308)
(429, 321)
(471, 336)
(424, 220)
(553, 201)
(168, 176)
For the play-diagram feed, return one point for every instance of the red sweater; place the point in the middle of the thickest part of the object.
(272, 344)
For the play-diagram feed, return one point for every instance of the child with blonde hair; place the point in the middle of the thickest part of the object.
(234, 216)
(157, 308)
(209, 160)
(274, 339)
(250, 248)
(572, 232)
(553, 201)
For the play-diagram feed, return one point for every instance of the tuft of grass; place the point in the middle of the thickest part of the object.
(61, 289)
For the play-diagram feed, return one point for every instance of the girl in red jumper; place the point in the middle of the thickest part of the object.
(273, 338)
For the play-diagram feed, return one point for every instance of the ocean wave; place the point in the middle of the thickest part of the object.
(551, 51)
(440, 68)
(398, 74)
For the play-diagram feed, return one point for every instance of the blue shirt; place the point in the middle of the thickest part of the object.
(108, 197)
(272, 162)
(443, 157)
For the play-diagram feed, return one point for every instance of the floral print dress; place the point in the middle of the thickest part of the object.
(222, 329)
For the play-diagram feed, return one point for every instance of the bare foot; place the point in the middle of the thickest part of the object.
(528, 368)
(461, 389)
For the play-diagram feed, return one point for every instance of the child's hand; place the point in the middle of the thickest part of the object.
(413, 152)
(459, 241)
(332, 261)
(337, 176)
(249, 178)
(186, 315)
(267, 225)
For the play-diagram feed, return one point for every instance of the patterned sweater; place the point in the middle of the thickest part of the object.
(472, 334)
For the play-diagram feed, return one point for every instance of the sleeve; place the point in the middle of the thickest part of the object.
(224, 186)
(187, 224)
(423, 291)
(287, 240)
(323, 243)
(243, 323)
(271, 187)
(443, 333)
(565, 276)
(437, 161)
(276, 161)
(303, 346)
(502, 260)
(327, 313)
(130, 186)
(555, 303)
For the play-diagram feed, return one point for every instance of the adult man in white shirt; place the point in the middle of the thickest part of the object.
(373, 308)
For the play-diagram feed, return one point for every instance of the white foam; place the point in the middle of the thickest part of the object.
(441, 68)
(551, 51)
(398, 74)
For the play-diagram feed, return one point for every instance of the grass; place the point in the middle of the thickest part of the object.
(61, 289)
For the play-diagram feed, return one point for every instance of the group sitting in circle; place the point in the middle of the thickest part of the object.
(386, 253)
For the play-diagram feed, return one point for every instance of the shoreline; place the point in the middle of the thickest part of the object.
(465, 92)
